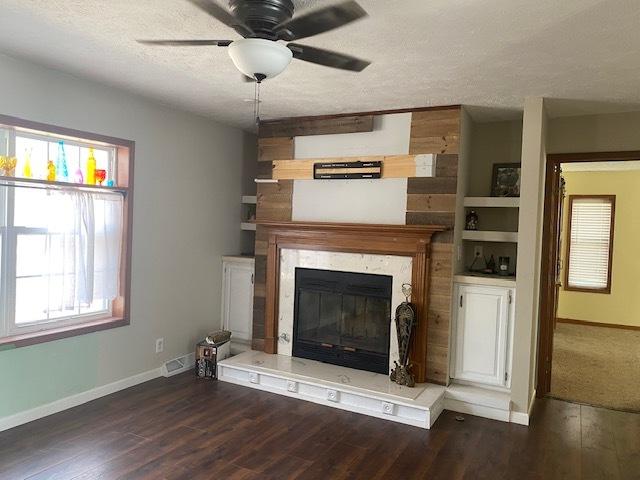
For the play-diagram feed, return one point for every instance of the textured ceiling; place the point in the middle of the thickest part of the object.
(484, 53)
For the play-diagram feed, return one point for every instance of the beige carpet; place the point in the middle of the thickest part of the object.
(596, 365)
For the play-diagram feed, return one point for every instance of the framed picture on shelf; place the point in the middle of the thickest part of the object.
(506, 180)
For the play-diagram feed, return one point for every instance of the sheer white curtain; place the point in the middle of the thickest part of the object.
(83, 240)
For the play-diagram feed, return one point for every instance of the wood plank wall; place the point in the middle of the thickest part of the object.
(430, 200)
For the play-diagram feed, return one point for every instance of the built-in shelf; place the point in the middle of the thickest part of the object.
(248, 226)
(490, 236)
(492, 202)
(476, 278)
(265, 180)
(249, 199)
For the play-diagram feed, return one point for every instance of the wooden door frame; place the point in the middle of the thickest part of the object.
(550, 253)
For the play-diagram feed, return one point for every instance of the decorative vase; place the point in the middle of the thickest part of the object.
(405, 323)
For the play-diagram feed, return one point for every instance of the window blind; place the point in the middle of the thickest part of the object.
(590, 237)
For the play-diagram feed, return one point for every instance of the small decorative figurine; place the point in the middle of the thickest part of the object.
(8, 166)
(491, 264)
(405, 322)
(471, 221)
(51, 171)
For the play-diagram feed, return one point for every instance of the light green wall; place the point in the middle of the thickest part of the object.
(186, 216)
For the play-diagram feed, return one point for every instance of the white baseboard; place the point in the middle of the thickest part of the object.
(476, 409)
(523, 418)
(75, 400)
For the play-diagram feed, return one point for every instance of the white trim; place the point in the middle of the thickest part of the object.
(77, 399)
(524, 418)
(477, 410)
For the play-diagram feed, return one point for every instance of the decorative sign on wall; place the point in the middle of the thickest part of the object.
(347, 170)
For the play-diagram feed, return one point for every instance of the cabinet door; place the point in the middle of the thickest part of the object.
(481, 334)
(237, 300)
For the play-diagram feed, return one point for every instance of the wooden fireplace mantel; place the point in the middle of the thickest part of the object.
(403, 240)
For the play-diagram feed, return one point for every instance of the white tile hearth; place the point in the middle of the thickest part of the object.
(399, 268)
(340, 387)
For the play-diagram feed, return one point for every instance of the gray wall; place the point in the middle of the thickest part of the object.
(594, 133)
(188, 183)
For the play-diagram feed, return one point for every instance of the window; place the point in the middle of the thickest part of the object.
(590, 243)
(64, 268)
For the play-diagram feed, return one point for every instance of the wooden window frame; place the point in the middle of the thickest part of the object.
(124, 159)
(604, 290)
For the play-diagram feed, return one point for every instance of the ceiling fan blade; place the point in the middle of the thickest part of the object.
(327, 58)
(221, 14)
(187, 43)
(320, 21)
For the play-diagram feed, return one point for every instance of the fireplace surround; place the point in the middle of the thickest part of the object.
(402, 240)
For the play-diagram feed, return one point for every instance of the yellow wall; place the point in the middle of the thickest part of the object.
(622, 305)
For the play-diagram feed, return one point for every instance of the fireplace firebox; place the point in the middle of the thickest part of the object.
(343, 318)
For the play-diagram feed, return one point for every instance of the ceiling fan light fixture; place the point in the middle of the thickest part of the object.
(259, 56)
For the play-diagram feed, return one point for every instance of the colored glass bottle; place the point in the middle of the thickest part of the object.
(79, 177)
(51, 171)
(26, 170)
(91, 168)
(61, 163)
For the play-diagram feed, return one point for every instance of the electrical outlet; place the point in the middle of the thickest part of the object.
(478, 251)
(159, 345)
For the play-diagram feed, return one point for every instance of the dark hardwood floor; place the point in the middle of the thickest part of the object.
(182, 428)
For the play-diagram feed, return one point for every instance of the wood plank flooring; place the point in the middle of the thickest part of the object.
(183, 428)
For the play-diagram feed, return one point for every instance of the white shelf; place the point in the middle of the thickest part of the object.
(249, 199)
(484, 279)
(492, 202)
(247, 226)
(490, 236)
(265, 180)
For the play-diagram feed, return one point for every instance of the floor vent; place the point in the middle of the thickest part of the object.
(178, 365)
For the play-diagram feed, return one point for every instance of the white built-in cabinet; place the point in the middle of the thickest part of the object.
(483, 334)
(237, 297)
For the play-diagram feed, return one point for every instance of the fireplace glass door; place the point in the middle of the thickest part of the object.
(343, 318)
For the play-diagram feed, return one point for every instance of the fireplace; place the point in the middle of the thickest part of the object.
(343, 318)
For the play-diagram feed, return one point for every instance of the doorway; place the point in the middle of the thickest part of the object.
(589, 338)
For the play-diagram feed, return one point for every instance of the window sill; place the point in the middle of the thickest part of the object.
(606, 291)
(34, 338)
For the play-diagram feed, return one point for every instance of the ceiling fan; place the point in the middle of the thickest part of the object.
(262, 23)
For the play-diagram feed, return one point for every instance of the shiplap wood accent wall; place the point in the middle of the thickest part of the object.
(433, 201)
(430, 200)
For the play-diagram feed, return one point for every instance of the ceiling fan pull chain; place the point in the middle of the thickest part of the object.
(258, 103)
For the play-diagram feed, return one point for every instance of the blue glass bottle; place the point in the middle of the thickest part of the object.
(61, 164)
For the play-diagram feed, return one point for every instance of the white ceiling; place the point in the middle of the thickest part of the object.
(483, 53)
